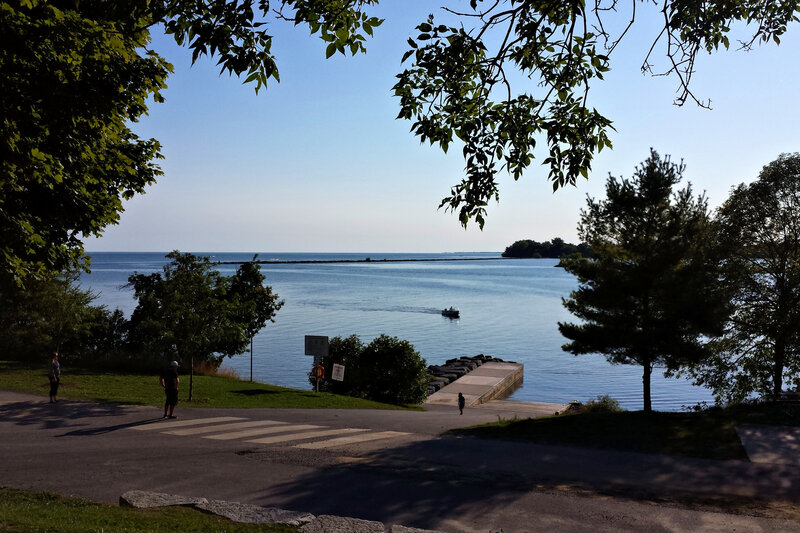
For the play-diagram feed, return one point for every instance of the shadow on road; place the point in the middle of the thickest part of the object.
(64, 414)
(109, 429)
(393, 491)
(416, 483)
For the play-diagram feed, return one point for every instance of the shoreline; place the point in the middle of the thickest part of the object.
(365, 260)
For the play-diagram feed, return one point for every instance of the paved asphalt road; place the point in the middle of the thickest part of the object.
(398, 470)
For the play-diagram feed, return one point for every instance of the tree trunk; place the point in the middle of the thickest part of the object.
(647, 369)
(777, 369)
(191, 378)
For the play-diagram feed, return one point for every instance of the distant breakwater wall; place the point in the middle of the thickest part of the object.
(365, 260)
(442, 375)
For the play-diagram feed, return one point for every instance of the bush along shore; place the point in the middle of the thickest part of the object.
(440, 376)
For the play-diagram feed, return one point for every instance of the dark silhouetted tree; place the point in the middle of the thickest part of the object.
(759, 233)
(649, 296)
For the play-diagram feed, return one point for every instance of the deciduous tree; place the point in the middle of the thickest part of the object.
(551, 249)
(254, 303)
(505, 76)
(72, 81)
(386, 370)
(759, 233)
(509, 74)
(649, 295)
(49, 314)
(75, 74)
(189, 312)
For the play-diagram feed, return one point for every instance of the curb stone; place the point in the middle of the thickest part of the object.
(339, 524)
(143, 499)
(255, 514)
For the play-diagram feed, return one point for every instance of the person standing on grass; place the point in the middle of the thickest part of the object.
(54, 375)
(461, 403)
(169, 381)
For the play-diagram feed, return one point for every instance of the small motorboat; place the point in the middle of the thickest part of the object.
(451, 313)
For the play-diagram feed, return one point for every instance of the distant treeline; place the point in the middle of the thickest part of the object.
(550, 249)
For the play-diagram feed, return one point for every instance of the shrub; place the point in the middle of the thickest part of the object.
(386, 370)
(603, 404)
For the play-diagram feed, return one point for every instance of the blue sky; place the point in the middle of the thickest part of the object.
(318, 162)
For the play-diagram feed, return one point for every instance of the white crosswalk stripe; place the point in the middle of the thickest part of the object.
(305, 436)
(341, 441)
(261, 431)
(223, 427)
(181, 423)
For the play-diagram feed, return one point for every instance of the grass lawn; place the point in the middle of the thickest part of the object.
(27, 511)
(709, 434)
(142, 389)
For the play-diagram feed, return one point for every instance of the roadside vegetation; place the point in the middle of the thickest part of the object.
(714, 297)
(32, 511)
(192, 314)
(386, 370)
(708, 434)
(144, 389)
(667, 284)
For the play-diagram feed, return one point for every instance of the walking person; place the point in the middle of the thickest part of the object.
(54, 375)
(170, 381)
(461, 403)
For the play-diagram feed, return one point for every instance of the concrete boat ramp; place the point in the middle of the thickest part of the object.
(484, 387)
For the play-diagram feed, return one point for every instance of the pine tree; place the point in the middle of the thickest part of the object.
(650, 294)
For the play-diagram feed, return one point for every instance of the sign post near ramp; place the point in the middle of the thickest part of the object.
(317, 345)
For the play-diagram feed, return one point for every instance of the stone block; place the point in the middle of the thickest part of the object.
(340, 524)
(404, 529)
(254, 514)
(143, 499)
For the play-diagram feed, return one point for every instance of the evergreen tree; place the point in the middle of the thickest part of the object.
(649, 296)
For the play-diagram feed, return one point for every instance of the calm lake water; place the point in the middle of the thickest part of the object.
(509, 309)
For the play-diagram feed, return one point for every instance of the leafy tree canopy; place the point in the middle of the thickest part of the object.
(192, 313)
(512, 73)
(71, 82)
(650, 293)
(76, 74)
(50, 314)
(508, 74)
(386, 370)
(552, 249)
(758, 231)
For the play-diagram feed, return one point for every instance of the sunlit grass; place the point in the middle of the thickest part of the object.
(141, 389)
(27, 511)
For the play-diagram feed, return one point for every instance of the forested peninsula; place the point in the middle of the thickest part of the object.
(548, 249)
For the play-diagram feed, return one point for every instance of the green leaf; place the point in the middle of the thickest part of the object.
(330, 50)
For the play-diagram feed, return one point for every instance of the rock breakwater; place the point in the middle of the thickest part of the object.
(440, 376)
